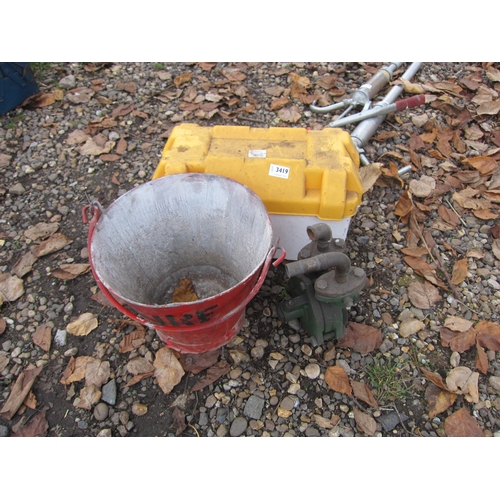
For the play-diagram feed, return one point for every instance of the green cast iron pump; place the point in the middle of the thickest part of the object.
(322, 286)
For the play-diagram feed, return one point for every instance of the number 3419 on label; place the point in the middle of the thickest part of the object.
(279, 171)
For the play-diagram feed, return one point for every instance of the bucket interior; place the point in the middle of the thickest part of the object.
(206, 228)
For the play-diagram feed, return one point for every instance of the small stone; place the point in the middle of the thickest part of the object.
(312, 370)
(71, 352)
(293, 389)
(454, 359)
(4, 431)
(495, 383)
(222, 431)
(68, 82)
(288, 403)
(109, 392)
(60, 337)
(17, 189)
(238, 427)
(329, 354)
(104, 433)
(203, 420)
(312, 432)
(210, 402)
(253, 408)
(283, 413)
(391, 420)
(306, 349)
(257, 352)
(124, 417)
(101, 412)
(139, 409)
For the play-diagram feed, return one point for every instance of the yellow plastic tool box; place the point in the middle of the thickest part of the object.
(302, 176)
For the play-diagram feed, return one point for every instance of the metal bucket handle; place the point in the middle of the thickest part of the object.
(95, 210)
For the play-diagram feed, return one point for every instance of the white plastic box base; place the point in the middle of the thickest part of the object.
(292, 231)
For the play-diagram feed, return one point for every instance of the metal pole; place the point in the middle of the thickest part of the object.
(365, 93)
(365, 130)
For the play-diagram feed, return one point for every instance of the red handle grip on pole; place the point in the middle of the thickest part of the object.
(411, 102)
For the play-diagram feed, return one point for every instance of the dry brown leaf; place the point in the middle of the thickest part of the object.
(483, 164)
(277, 104)
(488, 335)
(56, 242)
(324, 423)
(179, 421)
(83, 325)
(481, 361)
(25, 264)
(3, 325)
(423, 187)
(123, 110)
(435, 378)
(423, 295)
(448, 215)
(79, 95)
(75, 370)
(404, 205)
(365, 422)
(11, 287)
(37, 427)
(363, 392)
(369, 175)
(458, 324)
(410, 326)
(438, 400)
(20, 389)
(458, 341)
(495, 247)
(41, 231)
(70, 271)
(411, 87)
(486, 214)
(462, 380)
(139, 365)
(290, 114)
(213, 373)
(337, 379)
(489, 108)
(133, 340)
(97, 372)
(137, 378)
(93, 149)
(460, 271)
(43, 337)
(184, 292)
(195, 363)
(361, 338)
(89, 396)
(168, 370)
(462, 424)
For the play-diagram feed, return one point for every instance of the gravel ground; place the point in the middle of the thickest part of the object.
(101, 132)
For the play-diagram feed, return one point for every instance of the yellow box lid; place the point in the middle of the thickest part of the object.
(293, 170)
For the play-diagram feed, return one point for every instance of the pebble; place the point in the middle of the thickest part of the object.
(68, 82)
(238, 426)
(104, 433)
(312, 370)
(253, 408)
(495, 383)
(139, 409)
(109, 392)
(101, 411)
(60, 337)
(454, 359)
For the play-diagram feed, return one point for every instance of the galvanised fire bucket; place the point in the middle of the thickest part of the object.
(208, 229)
